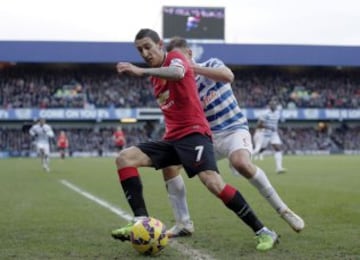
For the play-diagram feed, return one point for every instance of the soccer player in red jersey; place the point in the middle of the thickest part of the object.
(62, 144)
(119, 138)
(187, 139)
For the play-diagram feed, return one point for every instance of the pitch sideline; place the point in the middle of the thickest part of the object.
(185, 250)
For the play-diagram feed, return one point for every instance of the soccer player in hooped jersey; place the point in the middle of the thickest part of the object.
(42, 132)
(187, 139)
(232, 140)
(267, 132)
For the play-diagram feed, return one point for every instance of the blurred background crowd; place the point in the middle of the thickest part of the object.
(86, 86)
(83, 88)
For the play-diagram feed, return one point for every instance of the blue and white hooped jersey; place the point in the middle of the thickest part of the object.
(271, 119)
(219, 103)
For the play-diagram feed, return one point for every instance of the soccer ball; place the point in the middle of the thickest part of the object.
(148, 236)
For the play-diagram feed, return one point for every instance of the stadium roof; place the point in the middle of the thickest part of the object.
(232, 54)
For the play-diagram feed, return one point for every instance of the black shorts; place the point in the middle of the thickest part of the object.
(195, 152)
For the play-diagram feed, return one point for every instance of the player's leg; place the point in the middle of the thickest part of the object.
(234, 201)
(241, 161)
(46, 154)
(261, 153)
(40, 147)
(177, 195)
(127, 162)
(237, 147)
(278, 155)
(62, 153)
(205, 167)
(42, 156)
(258, 136)
(261, 146)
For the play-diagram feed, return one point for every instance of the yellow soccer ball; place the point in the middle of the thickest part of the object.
(148, 236)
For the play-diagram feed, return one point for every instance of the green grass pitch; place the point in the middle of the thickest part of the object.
(41, 218)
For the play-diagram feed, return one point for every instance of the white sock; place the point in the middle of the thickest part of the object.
(177, 196)
(278, 160)
(262, 183)
(137, 218)
(43, 161)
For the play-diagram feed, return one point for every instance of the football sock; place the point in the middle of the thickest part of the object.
(133, 189)
(235, 201)
(262, 183)
(278, 160)
(177, 196)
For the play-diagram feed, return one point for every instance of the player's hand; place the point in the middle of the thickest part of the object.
(125, 67)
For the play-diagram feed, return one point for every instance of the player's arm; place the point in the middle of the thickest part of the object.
(173, 72)
(221, 74)
(50, 132)
(32, 131)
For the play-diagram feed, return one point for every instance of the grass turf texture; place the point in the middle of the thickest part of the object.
(43, 219)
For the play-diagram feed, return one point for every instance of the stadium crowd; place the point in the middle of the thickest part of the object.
(36, 86)
(102, 87)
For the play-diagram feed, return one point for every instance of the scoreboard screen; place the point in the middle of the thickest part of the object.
(194, 23)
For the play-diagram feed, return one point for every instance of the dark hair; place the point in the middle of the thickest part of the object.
(176, 42)
(148, 33)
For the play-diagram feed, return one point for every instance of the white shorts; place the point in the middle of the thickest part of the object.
(229, 141)
(43, 146)
(266, 139)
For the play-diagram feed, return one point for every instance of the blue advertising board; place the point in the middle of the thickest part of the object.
(110, 114)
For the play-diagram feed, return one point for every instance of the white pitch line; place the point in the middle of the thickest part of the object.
(185, 250)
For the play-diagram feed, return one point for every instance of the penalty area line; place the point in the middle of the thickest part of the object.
(184, 249)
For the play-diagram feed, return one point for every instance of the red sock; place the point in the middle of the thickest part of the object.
(227, 193)
(127, 172)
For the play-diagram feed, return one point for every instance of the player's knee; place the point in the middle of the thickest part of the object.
(122, 159)
(241, 161)
(171, 172)
(245, 167)
(212, 181)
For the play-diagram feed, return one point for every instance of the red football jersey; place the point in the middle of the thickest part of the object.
(179, 101)
(119, 138)
(62, 142)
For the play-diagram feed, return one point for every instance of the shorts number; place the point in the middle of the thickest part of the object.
(199, 149)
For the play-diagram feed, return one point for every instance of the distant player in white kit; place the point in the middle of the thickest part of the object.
(267, 133)
(42, 133)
